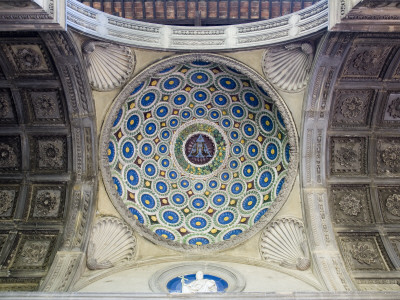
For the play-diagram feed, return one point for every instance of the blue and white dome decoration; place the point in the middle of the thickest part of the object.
(198, 152)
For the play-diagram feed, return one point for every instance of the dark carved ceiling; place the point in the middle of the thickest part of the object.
(363, 156)
(43, 111)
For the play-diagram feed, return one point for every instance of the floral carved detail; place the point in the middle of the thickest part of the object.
(352, 107)
(350, 205)
(52, 154)
(28, 58)
(365, 59)
(6, 200)
(346, 156)
(391, 156)
(393, 204)
(45, 202)
(363, 253)
(4, 107)
(33, 253)
(45, 105)
(394, 108)
(8, 157)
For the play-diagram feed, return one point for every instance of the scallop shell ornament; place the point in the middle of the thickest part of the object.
(112, 242)
(108, 65)
(284, 242)
(289, 66)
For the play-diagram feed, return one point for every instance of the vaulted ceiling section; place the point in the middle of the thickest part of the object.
(47, 151)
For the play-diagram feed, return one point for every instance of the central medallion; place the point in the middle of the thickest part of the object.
(201, 148)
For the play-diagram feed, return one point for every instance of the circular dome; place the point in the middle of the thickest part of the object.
(198, 152)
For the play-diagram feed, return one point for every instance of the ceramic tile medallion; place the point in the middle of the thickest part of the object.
(198, 152)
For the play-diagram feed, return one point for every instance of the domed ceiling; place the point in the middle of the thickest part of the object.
(198, 150)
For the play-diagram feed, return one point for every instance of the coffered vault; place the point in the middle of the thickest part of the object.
(224, 196)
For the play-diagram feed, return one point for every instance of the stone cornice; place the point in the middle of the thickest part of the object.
(164, 37)
(32, 15)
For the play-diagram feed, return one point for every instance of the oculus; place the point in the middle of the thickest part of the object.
(199, 152)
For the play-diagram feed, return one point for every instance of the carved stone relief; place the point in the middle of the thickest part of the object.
(366, 60)
(289, 66)
(28, 59)
(33, 254)
(7, 114)
(112, 242)
(34, 251)
(284, 242)
(49, 153)
(394, 108)
(47, 201)
(108, 65)
(352, 108)
(389, 200)
(391, 110)
(348, 155)
(46, 106)
(10, 154)
(351, 204)
(363, 253)
(380, 4)
(8, 197)
(388, 156)
(395, 241)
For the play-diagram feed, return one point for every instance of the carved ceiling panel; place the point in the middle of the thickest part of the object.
(364, 252)
(353, 108)
(366, 60)
(351, 205)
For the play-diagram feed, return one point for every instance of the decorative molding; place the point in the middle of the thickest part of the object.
(327, 261)
(338, 9)
(35, 15)
(288, 67)
(284, 242)
(108, 65)
(164, 37)
(111, 242)
(61, 272)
